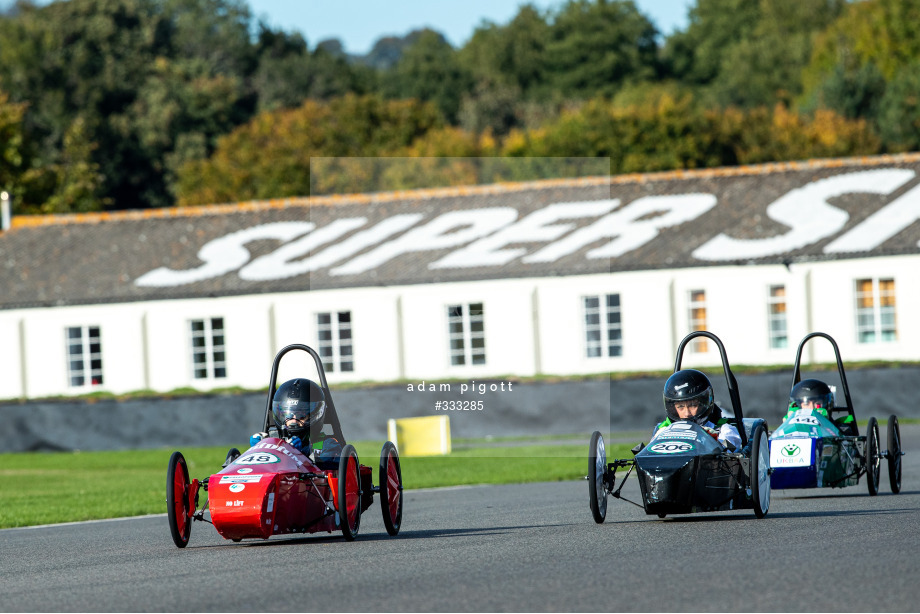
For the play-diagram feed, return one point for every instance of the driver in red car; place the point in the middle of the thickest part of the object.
(688, 396)
(298, 408)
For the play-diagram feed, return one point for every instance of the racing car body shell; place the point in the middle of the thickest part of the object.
(808, 451)
(684, 469)
(264, 492)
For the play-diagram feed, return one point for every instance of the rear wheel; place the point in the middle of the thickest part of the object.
(597, 469)
(349, 493)
(391, 489)
(894, 454)
(177, 500)
(760, 474)
(873, 461)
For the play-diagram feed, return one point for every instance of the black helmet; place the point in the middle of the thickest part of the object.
(686, 386)
(813, 390)
(297, 404)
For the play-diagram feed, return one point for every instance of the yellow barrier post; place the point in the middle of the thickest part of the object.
(422, 436)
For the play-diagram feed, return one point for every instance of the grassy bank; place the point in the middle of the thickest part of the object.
(46, 488)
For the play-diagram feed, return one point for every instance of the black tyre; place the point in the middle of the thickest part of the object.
(894, 454)
(597, 469)
(760, 474)
(391, 488)
(349, 493)
(873, 461)
(177, 500)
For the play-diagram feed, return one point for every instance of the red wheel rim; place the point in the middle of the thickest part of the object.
(179, 496)
(393, 486)
(352, 495)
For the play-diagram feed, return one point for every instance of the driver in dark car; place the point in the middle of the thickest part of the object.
(298, 407)
(688, 396)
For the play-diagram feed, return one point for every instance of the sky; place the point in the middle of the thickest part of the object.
(360, 23)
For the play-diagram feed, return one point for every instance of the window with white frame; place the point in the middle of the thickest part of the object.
(466, 334)
(875, 311)
(603, 326)
(697, 315)
(335, 342)
(776, 302)
(209, 356)
(84, 356)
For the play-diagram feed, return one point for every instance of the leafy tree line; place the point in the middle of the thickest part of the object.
(144, 103)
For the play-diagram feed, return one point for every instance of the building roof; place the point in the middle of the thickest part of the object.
(764, 214)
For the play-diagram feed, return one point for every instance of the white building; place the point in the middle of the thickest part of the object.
(558, 277)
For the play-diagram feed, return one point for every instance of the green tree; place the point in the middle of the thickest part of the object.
(429, 71)
(899, 110)
(766, 68)
(288, 73)
(508, 65)
(695, 55)
(11, 144)
(881, 32)
(679, 134)
(748, 52)
(275, 155)
(864, 64)
(851, 92)
(153, 83)
(597, 46)
(512, 56)
(76, 178)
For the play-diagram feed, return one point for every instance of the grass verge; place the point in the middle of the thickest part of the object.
(45, 488)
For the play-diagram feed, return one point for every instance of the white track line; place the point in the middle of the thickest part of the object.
(68, 524)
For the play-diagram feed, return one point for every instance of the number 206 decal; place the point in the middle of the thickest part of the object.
(671, 447)
(257, 458)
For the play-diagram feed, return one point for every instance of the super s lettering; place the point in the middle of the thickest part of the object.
(494, 236)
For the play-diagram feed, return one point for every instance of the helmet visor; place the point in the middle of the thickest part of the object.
(812, 401)
(297, 416)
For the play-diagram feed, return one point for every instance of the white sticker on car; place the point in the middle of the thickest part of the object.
(677, 435)
(810, 420)
(257, 458)
(244, 470)
(240, 479)
(671, 447)
(237, 487)
(790, 452)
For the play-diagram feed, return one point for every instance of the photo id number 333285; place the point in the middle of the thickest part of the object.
(458, 405)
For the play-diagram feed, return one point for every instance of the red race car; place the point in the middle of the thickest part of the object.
(275, 489)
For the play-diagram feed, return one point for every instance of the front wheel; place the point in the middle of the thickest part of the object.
(349, 493)
(760, 463)
(597, 469)
(873, 461)
(177, 500)
(894, 454)
(391, 488)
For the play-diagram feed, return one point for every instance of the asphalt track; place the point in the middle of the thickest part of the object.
(530, 547)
